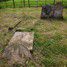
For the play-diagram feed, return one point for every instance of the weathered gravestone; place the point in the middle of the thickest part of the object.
(55, 11)
(58, 10)
(19, 47)
(46, 11)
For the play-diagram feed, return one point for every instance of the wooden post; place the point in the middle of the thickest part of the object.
(37, 2)
(28, 3)
(54, 2)
(6, 3)
(24, 2)
(42, 2)
(62, 2)
(13, 3)
(21, 3)
(45, 2)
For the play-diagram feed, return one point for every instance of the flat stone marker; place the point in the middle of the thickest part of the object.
(24, 38)
(18, 49)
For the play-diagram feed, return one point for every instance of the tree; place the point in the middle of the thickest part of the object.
(3, 0)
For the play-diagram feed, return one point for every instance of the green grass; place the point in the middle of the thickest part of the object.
(50, 36)
(19, 3)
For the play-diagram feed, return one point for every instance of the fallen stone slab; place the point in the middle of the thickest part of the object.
(18, 49)
(24, 38)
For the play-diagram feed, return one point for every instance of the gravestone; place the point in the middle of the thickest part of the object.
(24, 38)
(46, 11)
(58, 10)
(18, 49)
(55, 11)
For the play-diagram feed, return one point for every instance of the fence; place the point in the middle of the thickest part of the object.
(28, 3)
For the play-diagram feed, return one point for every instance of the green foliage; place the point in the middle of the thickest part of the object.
(30, 64)
(19, 3)
(48, 62)
(3, 0)
(1, 49)
(17, 65)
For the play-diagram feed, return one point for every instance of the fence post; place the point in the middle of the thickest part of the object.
(45, 2)
(21, 3)
(62, 2)
(54, 2)
(13, 3)
(24, 2)
(6, 3)
(42, 2)
(29, 3)
(37, 2)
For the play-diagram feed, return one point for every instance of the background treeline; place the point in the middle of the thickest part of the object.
(28, 3)
(3, 0)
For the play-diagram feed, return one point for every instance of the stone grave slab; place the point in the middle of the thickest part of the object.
(24, 38)
(18, 49)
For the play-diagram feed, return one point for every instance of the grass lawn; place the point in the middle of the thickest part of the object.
(19, 3)
(50, 42)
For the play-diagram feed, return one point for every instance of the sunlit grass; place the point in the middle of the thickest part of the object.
(50, 36)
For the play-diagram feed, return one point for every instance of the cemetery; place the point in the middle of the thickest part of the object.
(33, 33)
